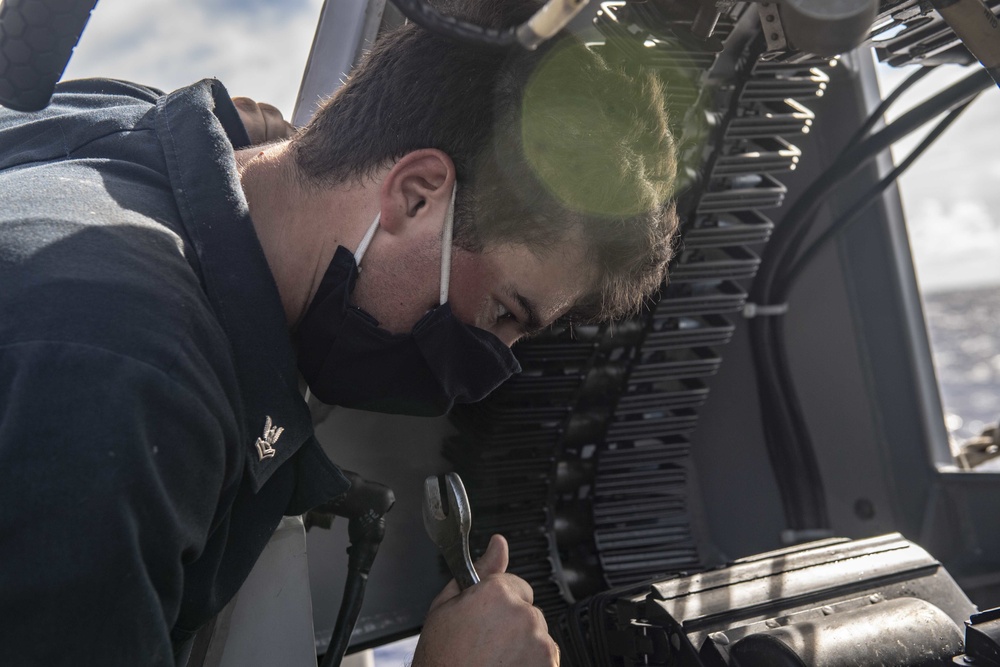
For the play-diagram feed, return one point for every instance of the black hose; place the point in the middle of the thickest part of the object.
(788, 236)
(842, 223)
(776, 344)
(350, 609)
(788, 440)
(800, 484)
(429, 18)
(365, 506)
(887, 102)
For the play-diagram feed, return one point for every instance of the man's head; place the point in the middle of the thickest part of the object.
(550, 149)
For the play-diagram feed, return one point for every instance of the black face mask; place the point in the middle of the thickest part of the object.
(349, 360)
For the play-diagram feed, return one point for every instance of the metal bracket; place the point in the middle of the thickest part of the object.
(774, 32)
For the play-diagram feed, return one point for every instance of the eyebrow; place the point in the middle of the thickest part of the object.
(531, 322)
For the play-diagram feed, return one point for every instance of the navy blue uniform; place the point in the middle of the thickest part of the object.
(143, 348)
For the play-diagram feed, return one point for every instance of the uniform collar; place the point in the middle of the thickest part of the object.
(199, 127)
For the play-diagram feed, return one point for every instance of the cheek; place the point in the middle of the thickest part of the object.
(469, 289)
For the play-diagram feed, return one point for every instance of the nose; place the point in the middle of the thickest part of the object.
(506, 336)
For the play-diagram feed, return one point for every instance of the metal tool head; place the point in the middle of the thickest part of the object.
(446, 507)
(448, 519)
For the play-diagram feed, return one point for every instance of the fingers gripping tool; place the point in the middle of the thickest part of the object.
(448, 519)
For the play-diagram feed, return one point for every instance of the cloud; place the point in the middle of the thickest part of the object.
(950, 195)
(955, 244)
(256, 48)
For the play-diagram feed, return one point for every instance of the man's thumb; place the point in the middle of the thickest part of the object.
(494, 560)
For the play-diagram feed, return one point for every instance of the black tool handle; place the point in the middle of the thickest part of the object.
(37, 38)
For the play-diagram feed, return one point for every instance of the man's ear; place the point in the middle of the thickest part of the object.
(417, 189)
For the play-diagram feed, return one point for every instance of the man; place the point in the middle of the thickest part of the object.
(162, 284)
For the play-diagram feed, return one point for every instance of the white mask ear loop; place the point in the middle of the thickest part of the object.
(366, 241)
(446, 235)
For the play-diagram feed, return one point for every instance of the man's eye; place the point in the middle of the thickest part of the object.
(503, 313)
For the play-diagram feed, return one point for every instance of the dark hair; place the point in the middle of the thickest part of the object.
(548, 145)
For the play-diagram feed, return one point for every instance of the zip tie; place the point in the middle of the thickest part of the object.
(752, 310)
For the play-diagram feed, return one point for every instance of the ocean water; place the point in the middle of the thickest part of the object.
(964, 329)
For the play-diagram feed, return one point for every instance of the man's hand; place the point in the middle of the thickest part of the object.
(491, 623)
(263, 121)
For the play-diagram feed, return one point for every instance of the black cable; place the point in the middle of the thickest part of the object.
(884, 105)
(788, 440)
(429, 18)
(776, 344)
(775, 348)
(786, 436)
(842, 223)
(788, 236)
(365, 506)
(347, 618)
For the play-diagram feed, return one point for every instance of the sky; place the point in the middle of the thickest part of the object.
(257, 48)
(951, 195)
